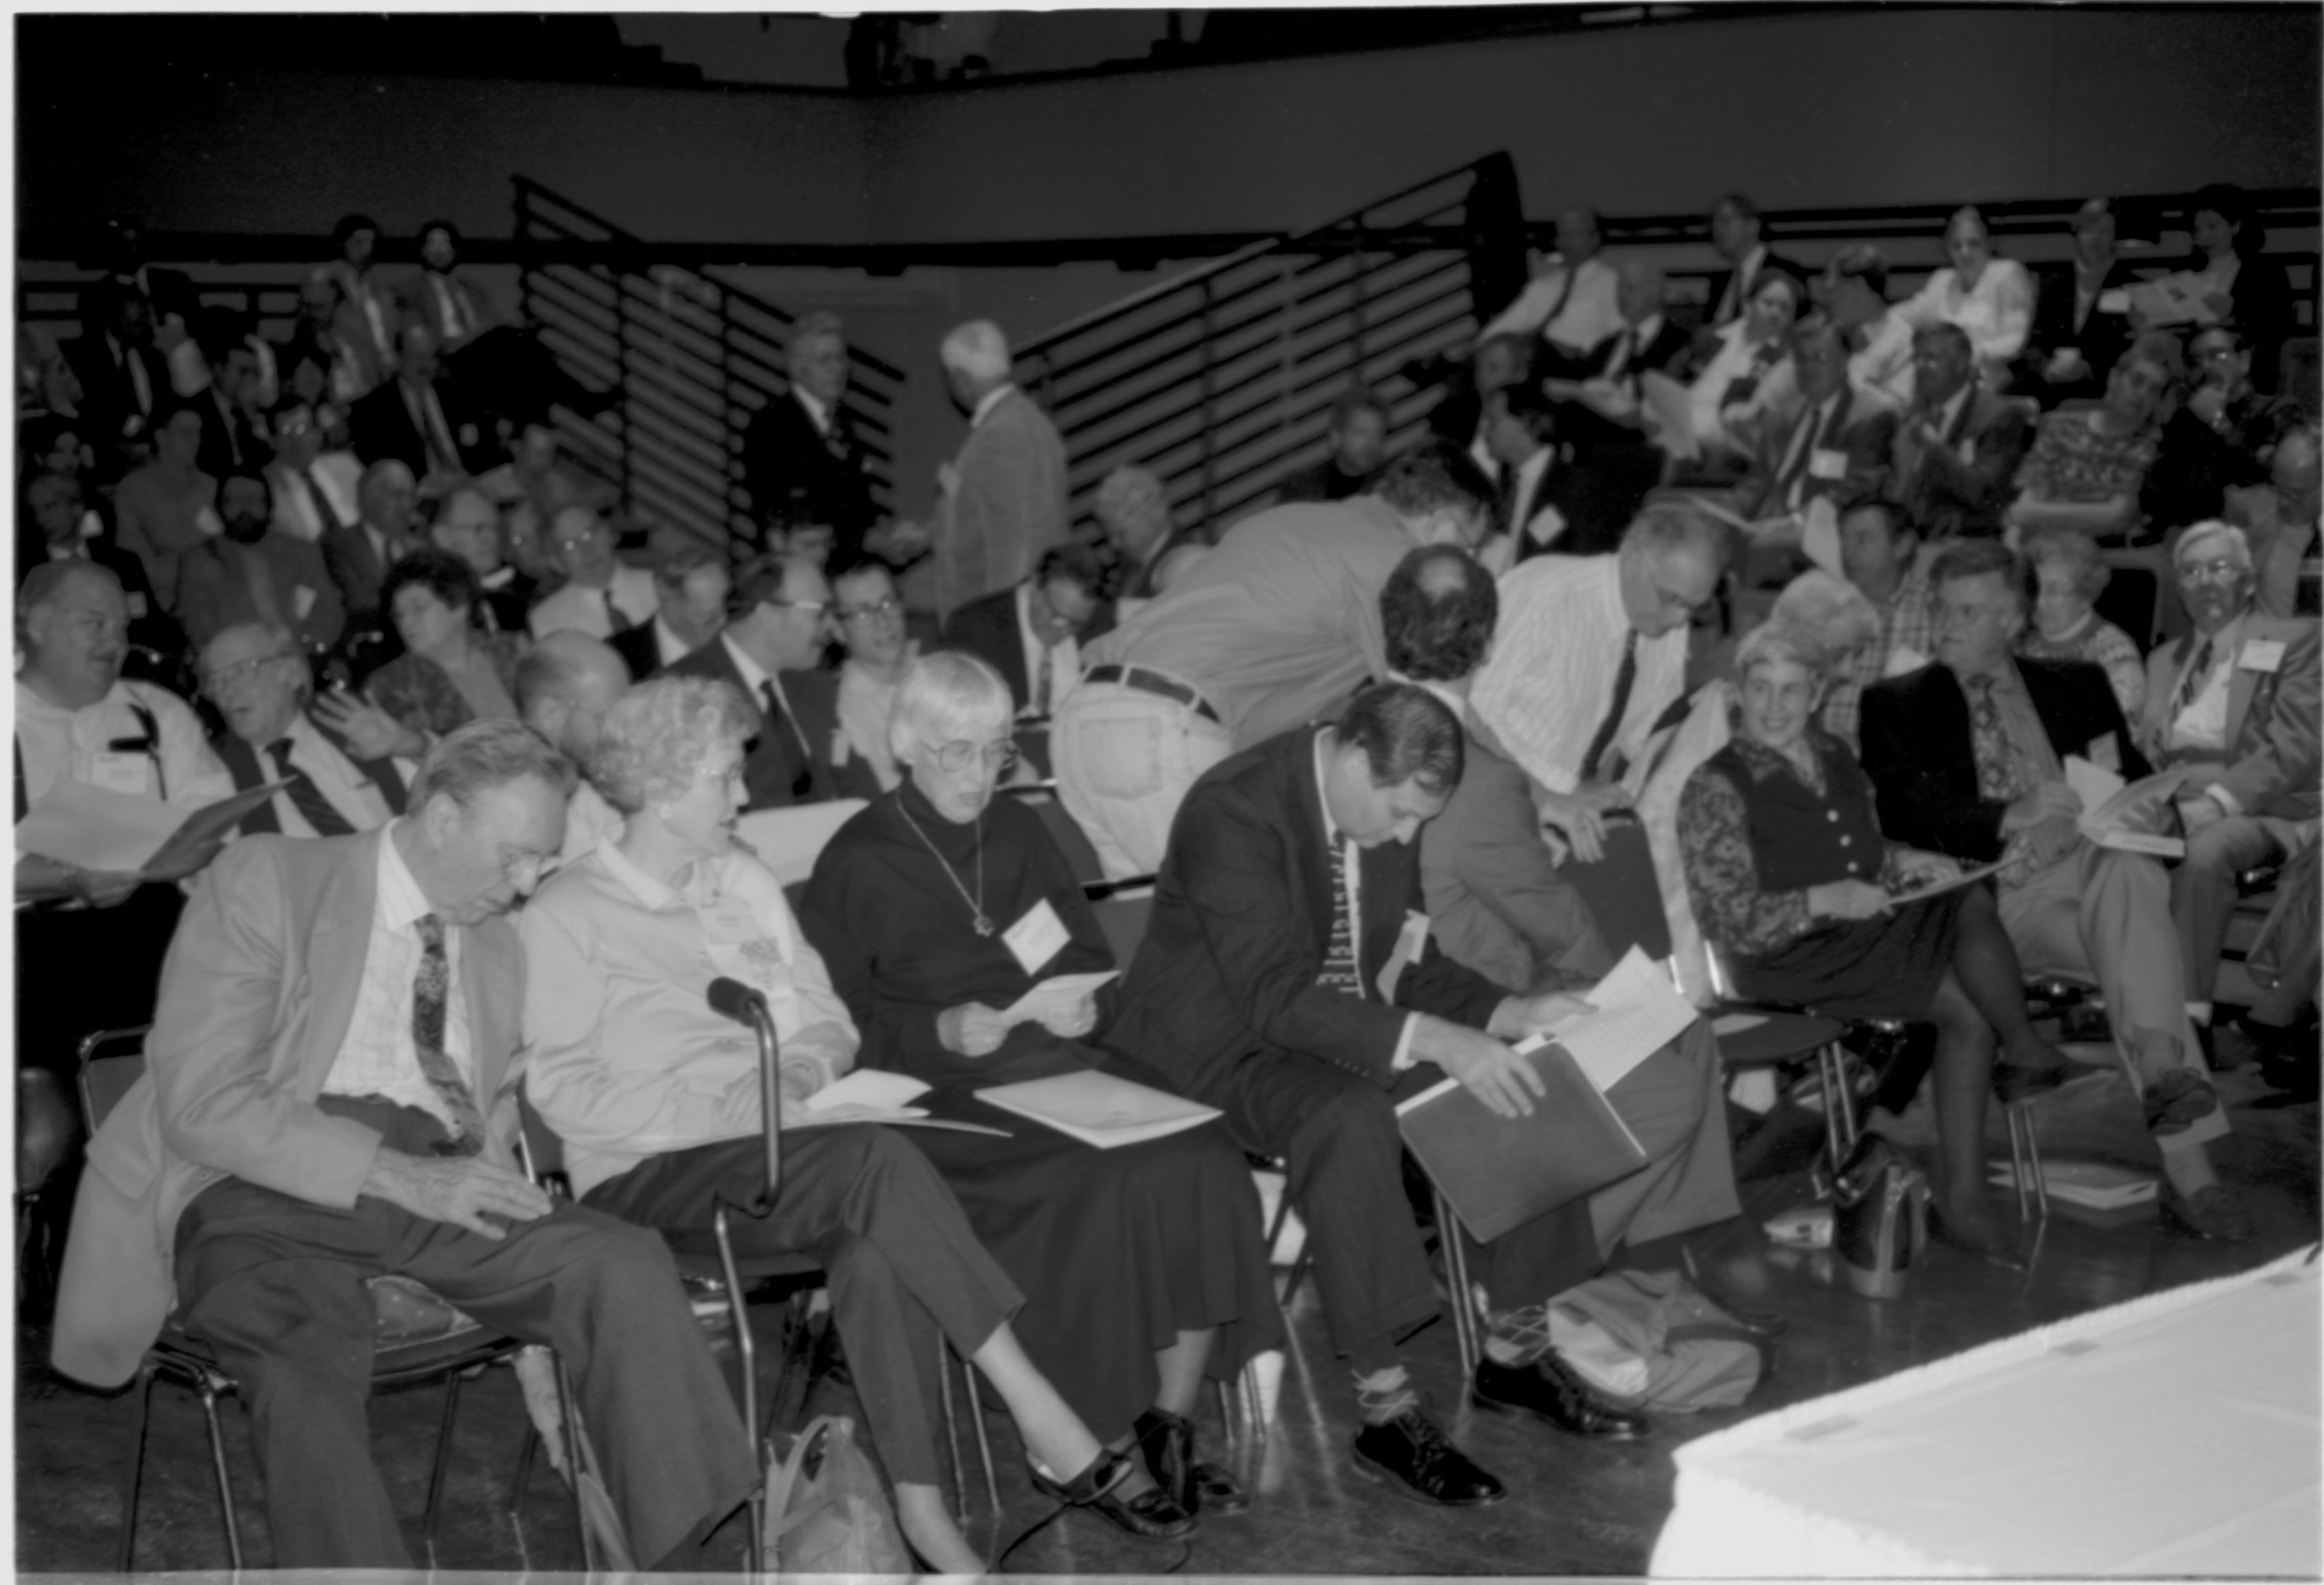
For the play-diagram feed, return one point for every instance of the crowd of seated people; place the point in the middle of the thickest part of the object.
(499, 763)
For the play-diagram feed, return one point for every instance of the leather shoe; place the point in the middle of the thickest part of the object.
(2178, 1099)
(1972, 1229)
(1419, 1464)
(1151, 1514)
(1548, 1389)
(2013, 1084)
(2211, 1211)
(1168, 1441)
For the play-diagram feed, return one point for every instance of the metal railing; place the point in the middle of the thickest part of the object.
(1222, 379)
(689, 357)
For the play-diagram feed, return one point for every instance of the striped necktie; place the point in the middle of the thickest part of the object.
(1339, 971)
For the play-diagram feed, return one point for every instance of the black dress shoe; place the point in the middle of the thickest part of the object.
(2012, 1083)
(1151, 1514)
(2178, 1099)
(1168, 1441)
(2211, 1211)
(1421, 1464)
(1548, 1389)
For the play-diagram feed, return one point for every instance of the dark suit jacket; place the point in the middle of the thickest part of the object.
(1242, 914)
(780, 768)
(248, 771)
(2101, 338)
(639, 651)
(795, 474)
(1917, 750)
(230, 444)
(1718, 283)
(1943, 495)
(109, 394)
(1597, 496)
(989, 629)
(380, 426)
(358, 570)
(510, 603)
(1864, 429)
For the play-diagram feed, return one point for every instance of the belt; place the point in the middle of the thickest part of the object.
(1154, 682)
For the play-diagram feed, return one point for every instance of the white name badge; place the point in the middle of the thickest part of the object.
(206, 521)
(2262, 654)
(727, 921)
(1547, 524)
(2113, 300)
(1037, 937)
(1824, 463)
(2103, 753)
(302, 602)
(123, 773)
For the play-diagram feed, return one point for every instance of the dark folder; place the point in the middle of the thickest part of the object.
(1499, 1172)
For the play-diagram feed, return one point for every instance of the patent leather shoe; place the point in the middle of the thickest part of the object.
(1168, 1441)
(1548, 1389)
(1416, 1461)
(1151, 1514)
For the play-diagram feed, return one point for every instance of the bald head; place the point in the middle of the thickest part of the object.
(565, 685)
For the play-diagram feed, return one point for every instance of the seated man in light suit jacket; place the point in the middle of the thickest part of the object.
(319, 1108)
(2238, 697)
(1261, 988)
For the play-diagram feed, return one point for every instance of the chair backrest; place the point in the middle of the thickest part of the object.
(1081, 855)
(111, 1061)
(787, 841)
(1123, 912)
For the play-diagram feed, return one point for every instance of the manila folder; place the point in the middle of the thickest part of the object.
(1099, 1109)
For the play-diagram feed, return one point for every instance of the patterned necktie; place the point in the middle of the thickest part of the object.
(2190, 686)
(428, 991)
(1624, 680)
(1805, 440)
(1997, 777)
(305, 795)
(1339, 972)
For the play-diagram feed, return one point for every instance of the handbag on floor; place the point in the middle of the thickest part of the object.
(826, 1508)
(1697, 1356)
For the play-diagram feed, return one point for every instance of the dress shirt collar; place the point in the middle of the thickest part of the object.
(401, 903)
(654, 895)
(816, 412)
(497, 579)
(29, 702)
(1530, 474)
(1643, 331)
(1331, 837)
(992, 399)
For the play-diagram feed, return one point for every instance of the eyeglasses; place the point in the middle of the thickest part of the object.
(957, 756)
(730, 772)
(887, 607)
(1945, 616)
(227, 680)
(2213, 572)
(575, 541)
(813, 607)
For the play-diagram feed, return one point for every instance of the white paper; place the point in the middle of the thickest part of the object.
(1819, 538)
(2093, 783)
(96, 828)
(867, 1087)
(1037, 937)
(1055, 996)
(1634, 1013)
(1669, 415)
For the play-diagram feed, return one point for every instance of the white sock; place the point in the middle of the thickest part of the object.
(2199, 1012)
(2189, 1170)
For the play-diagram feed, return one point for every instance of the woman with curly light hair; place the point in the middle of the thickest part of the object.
(2068, 576)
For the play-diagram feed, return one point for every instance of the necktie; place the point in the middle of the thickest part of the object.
(1729, 300)
(1564, 296)
(1625, 679)
(1044, 681)
(778, 720)
(443, 456)
(304, 796)
(1996, 762)
(139, 385)
(1505, 503)
(2191, 684)
(428, 991)
(1339, 972)
(1804, 440)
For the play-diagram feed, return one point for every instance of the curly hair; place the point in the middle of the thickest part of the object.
(658, 736)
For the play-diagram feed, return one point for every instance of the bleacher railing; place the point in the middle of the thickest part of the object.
(1221, 380)
(691, 356)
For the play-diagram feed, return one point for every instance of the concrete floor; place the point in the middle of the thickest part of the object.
(1575, 1508)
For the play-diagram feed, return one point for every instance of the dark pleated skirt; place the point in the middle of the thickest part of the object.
(1885, 968)
(1118, 1251)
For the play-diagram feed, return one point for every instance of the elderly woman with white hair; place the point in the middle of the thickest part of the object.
(936, 909)
(2068, 576)
(1792, 879)
(657, 1097)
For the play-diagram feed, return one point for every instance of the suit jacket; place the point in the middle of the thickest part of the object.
(358, 570)
(230, 444)
(380, 425)
(639, 650)
(214, 592)
(1007, 505)
(794, 473)
(780, 767)
(1717, 284)
(1242, 914)
(1917, 750)
(242, 763)
(2101, 338)
(109, 395)
(423, 299)
(2270, 763)
(1595, 498)
(257, 994)
(1942, 495)
(1496, 899)
(1864, 429)
(989, 629)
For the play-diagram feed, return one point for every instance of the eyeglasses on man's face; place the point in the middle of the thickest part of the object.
(876, 611)
(232, 679)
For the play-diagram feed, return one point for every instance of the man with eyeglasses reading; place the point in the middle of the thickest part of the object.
(779, 620)
(602, 594)
(1590, 650)
(337, 781)
(2237, 699)
(1967, 756)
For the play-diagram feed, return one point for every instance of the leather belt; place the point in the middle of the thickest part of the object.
(1154, 682)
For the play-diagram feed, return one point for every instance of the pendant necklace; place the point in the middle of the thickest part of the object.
(975, 904)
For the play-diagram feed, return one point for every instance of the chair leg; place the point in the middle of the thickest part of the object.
(1456, 1273)
(1299, 1275)
(141, 1399)
(952, 1431)
(217, 1464)
(571, 1425)
(2025, 1164)
(443, 1460)
(523, 1472)
(983, 1442)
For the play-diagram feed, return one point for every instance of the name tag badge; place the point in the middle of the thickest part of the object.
(123, 773)
(727, 921)
(302, 602)
(206, 521)
(2113, 300)
(1037, 937)
(1824, 463)
(2103, 753)
(2262, 654)
(1546, 525)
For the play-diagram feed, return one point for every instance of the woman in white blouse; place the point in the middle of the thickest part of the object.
(1990, 297)
(1751, 367)
(657, 1097)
